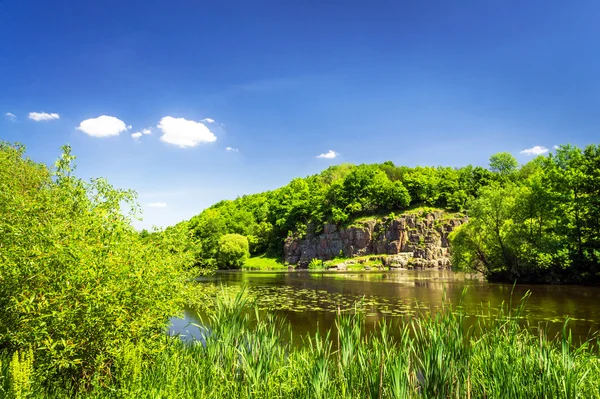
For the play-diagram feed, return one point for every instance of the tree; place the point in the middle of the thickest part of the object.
(423, 185)
(457, 200)
(338, 194)
(261, 238)
(541, 225)
(206, 229)
(503, 163)
(486, 243)
(233, 251)
(357, 185)
(380, 189)
(77, 283)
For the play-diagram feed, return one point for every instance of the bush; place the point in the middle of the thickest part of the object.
(233, 251)
(339, 216)
(77, 282)
(316, 264)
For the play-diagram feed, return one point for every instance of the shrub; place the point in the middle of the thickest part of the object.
(339, 216)
(316, 264)
(233, 251)
(77, 282)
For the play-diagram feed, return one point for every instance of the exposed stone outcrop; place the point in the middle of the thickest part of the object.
(407, 241)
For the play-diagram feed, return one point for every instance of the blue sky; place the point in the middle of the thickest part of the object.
(281, 82)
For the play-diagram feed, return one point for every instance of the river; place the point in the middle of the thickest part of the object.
(309, 300)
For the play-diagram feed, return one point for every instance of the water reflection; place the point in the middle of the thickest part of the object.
(309, 300)
(188, 327)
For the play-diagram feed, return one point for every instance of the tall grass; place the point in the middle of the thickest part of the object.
(433, 355)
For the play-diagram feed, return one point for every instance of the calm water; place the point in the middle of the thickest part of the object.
(309, 300)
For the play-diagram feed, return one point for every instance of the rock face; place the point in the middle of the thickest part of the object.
(407, 241)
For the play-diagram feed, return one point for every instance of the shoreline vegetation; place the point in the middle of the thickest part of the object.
(365, 263)
(433, 355)
(85, 299)
(531, 223)
(263, 262)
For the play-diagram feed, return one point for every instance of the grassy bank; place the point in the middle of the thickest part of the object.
(247, 356)
(263, 262)
(356, 263)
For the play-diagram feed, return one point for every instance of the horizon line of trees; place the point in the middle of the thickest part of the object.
(338, 194)
(542, 227)
(536, 222)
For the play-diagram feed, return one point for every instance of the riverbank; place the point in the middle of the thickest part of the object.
(311, 298)
(358, 263)
(248, 355)
(263, 262)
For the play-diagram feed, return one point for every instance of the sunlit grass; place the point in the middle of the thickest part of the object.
(263, 262)
(432, 355)
(416, 210)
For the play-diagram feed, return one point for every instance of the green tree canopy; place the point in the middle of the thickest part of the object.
(542, 227)
(77, 282)
(503, 163)
(338, 194)
(233, 251)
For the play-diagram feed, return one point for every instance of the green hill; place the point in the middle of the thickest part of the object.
(339, 194)
(534, 222)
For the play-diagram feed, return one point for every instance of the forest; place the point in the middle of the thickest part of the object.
(339, 195)
(536, 222)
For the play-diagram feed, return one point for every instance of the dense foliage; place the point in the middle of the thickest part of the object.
(250, 355)
(77, 283)
(339, 194)
(84, 298)
(541, 223)
(233, 251)
(535, 222)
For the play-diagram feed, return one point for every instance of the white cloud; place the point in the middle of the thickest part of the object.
(328, 155)
(147, 131)
(43, 116)
(231, 149)
(136, 135)
(157, 205)
(102, 126)
(535, 150)
(129, 127)
(555, 147)
(207, 120)
(184, 133)
(10, 116)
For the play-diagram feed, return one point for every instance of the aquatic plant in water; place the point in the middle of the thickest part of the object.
(434, 355)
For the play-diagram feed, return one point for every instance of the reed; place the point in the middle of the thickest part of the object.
(432, 355)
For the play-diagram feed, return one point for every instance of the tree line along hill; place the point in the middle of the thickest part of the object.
(537, 222)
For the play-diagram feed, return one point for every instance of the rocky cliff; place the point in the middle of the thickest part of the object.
(410, 240)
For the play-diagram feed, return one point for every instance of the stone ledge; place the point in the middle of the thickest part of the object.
(424, 238)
